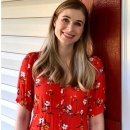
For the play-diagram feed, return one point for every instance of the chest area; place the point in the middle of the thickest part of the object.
(51, 94)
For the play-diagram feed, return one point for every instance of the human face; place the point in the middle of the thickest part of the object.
(69, 26)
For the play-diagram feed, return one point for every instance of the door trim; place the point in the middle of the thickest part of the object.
(125, 64)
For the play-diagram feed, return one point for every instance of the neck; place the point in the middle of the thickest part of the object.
(65, 53)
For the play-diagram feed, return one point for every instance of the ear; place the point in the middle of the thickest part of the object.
(54, 21)
(54, 24)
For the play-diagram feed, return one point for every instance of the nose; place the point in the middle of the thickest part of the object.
(70, 27)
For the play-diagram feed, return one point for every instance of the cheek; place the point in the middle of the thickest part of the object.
(60, 24)
(80, 31)
(58, 28)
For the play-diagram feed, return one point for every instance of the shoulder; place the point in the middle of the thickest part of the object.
(33, 55)
(30, 58)
(97, 63)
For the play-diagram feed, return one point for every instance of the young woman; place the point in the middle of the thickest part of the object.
(62, 84)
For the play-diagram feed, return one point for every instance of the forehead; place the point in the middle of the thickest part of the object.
(73, 14)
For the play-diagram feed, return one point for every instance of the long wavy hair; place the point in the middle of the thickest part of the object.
(49, 63)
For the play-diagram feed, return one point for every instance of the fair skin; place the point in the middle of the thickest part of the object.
(69, 26)
(68, 29)
(97, 122)
(23, 117)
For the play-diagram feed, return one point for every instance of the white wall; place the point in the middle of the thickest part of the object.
(125, 64)
(24, 28)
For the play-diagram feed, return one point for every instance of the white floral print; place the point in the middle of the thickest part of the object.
(98, 84)
(69, 107)
(41, 120)
(62, 91)
(84, 101)
(47, 103)
(100, 70)
(62, 101)
(81, 112)
(64, 127)
(48, 83)
(37, 81)
(29, 93)
(35, 96)
(22, 74)
(28, 65)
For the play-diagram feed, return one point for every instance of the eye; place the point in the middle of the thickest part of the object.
(65, 20)
(78, 24)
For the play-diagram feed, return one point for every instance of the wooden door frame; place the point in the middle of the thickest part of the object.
(125, 64)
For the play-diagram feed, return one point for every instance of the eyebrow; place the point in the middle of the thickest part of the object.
(76, 20)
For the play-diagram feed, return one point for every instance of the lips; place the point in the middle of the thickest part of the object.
(68, 35)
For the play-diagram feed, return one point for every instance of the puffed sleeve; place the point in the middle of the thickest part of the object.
(97, 96)
(25, 87)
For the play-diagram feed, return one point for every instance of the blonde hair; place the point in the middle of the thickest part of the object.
(83, 73)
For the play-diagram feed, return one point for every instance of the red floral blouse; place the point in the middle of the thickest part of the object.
(57, 108)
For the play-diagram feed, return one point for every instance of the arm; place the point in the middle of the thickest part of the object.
(97, 122)
(22, 118)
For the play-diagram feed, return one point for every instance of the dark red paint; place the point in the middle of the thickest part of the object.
(105, 32)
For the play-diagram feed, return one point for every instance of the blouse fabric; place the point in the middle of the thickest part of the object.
(57, 108)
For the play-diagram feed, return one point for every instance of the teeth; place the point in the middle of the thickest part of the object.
(68, 35)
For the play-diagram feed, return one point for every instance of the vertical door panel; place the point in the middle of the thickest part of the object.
(105, 32)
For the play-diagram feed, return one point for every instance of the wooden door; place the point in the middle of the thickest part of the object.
(105, 32)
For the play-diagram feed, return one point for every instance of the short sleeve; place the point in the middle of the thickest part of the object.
(97, 96)
(25, 89)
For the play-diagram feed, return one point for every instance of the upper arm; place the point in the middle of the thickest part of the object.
(23, 113)
(23, 117)
(25, 87)
(97, 93)
(97, 122)
(97, 97)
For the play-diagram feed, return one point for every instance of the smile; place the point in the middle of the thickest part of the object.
(68, 35)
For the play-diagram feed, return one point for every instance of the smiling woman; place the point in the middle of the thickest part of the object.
(62, 84)
(69, 26)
